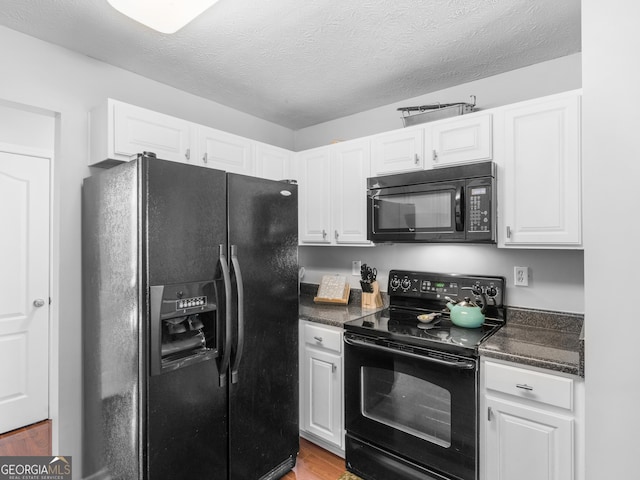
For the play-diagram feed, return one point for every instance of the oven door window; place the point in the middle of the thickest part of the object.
(403, 402)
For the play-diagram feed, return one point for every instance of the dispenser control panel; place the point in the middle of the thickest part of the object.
(185, 303)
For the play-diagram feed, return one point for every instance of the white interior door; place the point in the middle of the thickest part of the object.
(24, 290)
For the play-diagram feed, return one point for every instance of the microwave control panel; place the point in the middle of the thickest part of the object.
(479, 202)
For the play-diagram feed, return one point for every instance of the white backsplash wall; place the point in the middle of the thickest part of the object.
(556, 277)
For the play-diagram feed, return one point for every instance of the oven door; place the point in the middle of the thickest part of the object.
(416, 213)
(412, 404)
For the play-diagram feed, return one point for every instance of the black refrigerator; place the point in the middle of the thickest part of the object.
(190, 311)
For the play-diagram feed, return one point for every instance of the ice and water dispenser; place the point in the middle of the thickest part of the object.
(183, 325)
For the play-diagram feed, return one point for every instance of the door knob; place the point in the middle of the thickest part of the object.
(38, 302)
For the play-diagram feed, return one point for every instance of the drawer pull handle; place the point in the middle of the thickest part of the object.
(524, 386)
(318, 339)
(333, 368)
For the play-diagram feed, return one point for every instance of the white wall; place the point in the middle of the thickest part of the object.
(559, 75)
(611, 163)
(556, 276)
(40, 76)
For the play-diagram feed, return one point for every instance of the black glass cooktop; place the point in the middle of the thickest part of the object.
(415, 293)
(404, 326)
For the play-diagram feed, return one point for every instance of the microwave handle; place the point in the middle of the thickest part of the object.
(459, 208)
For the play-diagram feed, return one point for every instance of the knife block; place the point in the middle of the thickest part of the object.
(373, 299)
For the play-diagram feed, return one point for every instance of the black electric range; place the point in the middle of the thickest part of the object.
(415, 293)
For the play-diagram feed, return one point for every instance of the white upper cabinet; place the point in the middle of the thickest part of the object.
(332, 189)
(314, 202)
(225, 151)
(119, 131)
(350, 167)
(540, 173)
(273, 163)
(463, 139)
(398, 151)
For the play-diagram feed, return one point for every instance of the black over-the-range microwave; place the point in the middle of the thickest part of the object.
(447, 204)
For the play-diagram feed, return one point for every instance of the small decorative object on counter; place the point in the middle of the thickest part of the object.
(370, 289)
(466, 313)
(333, 289)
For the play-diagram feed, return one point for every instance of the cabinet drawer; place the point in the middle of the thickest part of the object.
(529, 384)
(323, 337)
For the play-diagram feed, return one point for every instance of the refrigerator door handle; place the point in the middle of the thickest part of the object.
(226, 352)
(240, 345)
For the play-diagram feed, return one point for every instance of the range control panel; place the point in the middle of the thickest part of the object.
(436, 286)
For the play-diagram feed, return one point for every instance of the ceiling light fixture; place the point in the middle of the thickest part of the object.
(166, 16)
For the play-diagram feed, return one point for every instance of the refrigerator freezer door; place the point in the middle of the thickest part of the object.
(263, 397)
(185, 212)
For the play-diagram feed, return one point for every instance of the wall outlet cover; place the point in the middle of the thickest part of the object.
(521, 276)
(355, 267)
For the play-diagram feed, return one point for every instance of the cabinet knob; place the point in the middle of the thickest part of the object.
(435, 156)
(336, 234)
(205, 157)
(38, 302)
(416, 159)
(324, 233)
(187, 154)
(508, 232)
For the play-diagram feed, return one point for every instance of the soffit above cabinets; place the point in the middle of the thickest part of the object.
(298, 64)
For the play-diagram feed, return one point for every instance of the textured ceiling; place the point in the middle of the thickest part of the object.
(302, 62)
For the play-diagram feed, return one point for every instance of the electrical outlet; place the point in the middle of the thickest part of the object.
(521, 276)
(355, 267)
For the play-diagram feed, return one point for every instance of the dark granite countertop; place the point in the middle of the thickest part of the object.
(335, 315)
(539, 338)
(551, 340)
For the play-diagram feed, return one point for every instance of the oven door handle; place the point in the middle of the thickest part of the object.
(462, 365)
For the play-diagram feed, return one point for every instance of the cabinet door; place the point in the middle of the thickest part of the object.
(541, 181)
(225, 151)
(350, 167)
(398, 151)
(459, 140)
(322, 395)
(136, 130)
(527, 443)
(273, 163)
(313, 193)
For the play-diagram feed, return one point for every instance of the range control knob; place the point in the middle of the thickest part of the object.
(406, 284)
(492, 291)
(394, 283)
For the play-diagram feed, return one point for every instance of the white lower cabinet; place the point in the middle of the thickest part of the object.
(532, 423)
(321, 392)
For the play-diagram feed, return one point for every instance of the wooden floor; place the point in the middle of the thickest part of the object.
(315, 463)
(34, 440)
